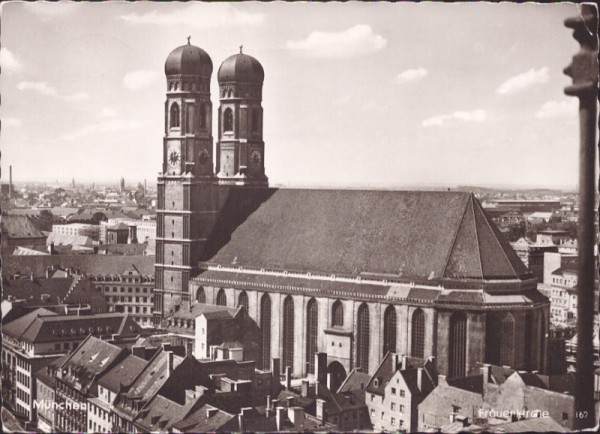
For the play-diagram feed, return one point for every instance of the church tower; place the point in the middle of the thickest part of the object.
(187, 170)
(241, 149)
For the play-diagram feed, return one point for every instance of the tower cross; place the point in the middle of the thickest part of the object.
(188, 38)
(241, 46)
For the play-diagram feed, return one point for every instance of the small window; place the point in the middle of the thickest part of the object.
(393, 390)
(565, 416)
(402, 394)
(174, 115)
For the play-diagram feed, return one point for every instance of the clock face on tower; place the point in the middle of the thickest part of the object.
(255, 157)
(173, 157)
(204, 157)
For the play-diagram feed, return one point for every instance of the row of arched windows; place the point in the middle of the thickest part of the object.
(186, 86)
(228, 120)
(175, 116)
(337, 319)
(230, 93)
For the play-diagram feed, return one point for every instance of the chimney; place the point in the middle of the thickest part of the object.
(288, 377)
(442, 379)
(485, 371)
(321, 367)
(404, 362)
(304, 393)
(51, 248)
(420, 379)
(320, 411)
(9, 182)
(243, 418)
(269, 406)
(132, 234)
(453, 417)
(296, 416)
(276, 371)
(279, 411)
(396, 360)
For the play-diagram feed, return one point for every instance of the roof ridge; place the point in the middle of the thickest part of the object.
(471, 197)
(454, 240)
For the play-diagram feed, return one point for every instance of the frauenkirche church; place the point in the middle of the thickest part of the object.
(352, 273)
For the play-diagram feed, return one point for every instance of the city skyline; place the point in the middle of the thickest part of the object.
(365, 99)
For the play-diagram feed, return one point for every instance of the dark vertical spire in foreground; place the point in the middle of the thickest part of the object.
(584, 72)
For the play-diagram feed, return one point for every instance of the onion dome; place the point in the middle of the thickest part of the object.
(241, 68)
(188, 60)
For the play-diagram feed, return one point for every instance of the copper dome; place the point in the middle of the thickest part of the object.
(188, 60)
(242, 68)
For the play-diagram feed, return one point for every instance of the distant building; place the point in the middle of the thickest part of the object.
(146, 228)
(117, 234)
(526, 206)
(87, 230)
(18, 231)
(549, 236)
(532, 255)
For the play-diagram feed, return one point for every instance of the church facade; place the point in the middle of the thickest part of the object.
(350, 273)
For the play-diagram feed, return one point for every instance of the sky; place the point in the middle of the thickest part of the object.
(355, 94)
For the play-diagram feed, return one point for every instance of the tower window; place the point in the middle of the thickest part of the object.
(174, 116)
(228, 120)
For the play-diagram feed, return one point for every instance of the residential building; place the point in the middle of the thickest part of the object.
(35, 339)
(395, 390)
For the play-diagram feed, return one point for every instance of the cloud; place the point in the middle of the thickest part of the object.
(198, 16)
(139, 79)
(43, 88)
(79, 96)
(558, 109)
(353, 42)
(456, 117)
(412, 75)
(40, 87)
(524, 81)
(108, 126)
(107, 113)
(11, 122)
(8, 62)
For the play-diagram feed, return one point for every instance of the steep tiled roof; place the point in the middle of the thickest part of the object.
(88, 264)
(357, 380)
(16, 226)
(123, 373)
(210, 310)
(421, 235)
(92, 357)
(43, 325)
(203, 421)
(538, 424)
(32, 290)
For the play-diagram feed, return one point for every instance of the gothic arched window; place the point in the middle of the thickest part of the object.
(202, 115)
(265, 327)
(243, 300)
(288, 332)
(221, 298)
(228, 120)
(507, 337)
(389, 330)
(337, 314)
(458, 345)
(312, 325)
(363, 330)
(201, 295)
(418, 334)
(174, 115)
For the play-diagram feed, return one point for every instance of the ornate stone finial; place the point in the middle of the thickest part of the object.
(584, 67)
(189, 40)
(241, 46)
